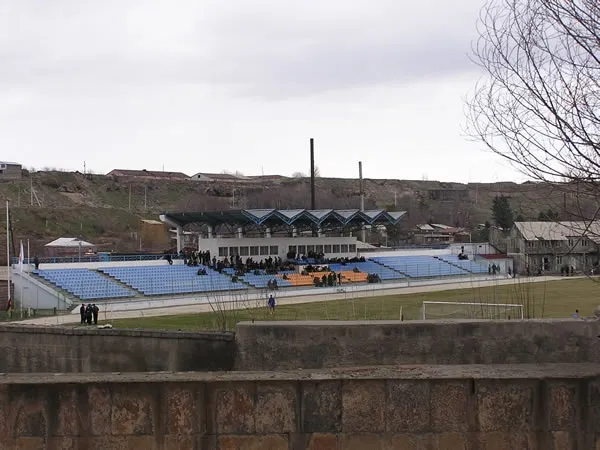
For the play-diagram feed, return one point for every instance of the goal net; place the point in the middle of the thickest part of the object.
(461, 310)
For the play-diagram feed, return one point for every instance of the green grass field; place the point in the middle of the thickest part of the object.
(552, 299)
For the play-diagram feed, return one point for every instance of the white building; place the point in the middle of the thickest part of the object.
(262, 233)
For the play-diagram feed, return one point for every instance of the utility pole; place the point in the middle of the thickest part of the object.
(362, 199)
(313, 204)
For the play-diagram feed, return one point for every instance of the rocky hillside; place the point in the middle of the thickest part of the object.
(107, 211)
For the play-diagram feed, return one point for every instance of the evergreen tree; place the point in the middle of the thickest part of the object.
(502, 212)
(548, 216)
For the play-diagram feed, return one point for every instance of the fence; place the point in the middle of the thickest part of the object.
(103, 257)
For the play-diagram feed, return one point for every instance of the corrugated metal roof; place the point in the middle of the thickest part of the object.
(262, 216)
(559, 231)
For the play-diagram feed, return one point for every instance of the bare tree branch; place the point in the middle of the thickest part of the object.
(538, 104)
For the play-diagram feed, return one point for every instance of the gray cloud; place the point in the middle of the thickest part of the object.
(210, 85)
(264, 48)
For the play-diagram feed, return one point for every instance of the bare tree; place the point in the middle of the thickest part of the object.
(538, 104)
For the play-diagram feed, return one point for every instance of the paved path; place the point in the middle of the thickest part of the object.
(204, 307)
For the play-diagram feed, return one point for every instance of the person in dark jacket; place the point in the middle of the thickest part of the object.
(95, 311)
(82, 313)
(88, 314)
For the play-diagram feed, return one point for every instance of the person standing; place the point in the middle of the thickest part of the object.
(82, 313)
(576, 314)
(271, 304)
(88, 314)
(95, 311)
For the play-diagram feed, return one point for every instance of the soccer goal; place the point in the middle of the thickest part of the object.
(460, 310)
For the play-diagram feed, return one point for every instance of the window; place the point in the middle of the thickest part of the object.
(302, 249)
(292, 249)
(558, 260)
(319, 248)
(274, 250)
(584, 243)
(571, 242)
(233, 251)
(264, 250)
(352, 248)
(244, 251)
(222, 252)
(344, 248)
(327, 249)
(336, 248)
(310, 248)
(254, 251)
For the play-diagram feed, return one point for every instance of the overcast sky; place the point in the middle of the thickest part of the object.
(207, 86)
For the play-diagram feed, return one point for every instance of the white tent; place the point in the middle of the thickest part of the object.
(67, 242)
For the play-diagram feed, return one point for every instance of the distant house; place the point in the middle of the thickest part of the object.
(10, 170)
(221, 177)
(68, 246)
(147, 174)
(549, 246)
(154, 236)
(437, 233)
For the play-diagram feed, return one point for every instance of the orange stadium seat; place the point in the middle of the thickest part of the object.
(354, 277)
(297, 279)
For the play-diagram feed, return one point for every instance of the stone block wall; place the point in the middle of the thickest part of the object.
(31, 349)
(323, 344)
(554, 407)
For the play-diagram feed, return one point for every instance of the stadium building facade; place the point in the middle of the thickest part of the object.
(263, 233)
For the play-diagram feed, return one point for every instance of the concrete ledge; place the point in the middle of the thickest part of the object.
(401, 372)
(325, 344)
(15, 327)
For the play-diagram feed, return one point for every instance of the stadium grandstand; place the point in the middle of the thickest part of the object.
(248, 253)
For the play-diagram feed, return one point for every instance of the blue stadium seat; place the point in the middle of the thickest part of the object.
(85, 284)
(176, 279)
(385, 273)
(466, 264)
(420, 266)
(262, 281)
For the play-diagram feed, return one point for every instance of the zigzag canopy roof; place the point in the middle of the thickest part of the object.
(285, 217)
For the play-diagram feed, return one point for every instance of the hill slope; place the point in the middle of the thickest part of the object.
(107, 210)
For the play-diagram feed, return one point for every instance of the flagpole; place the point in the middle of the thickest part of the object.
(8, 250)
